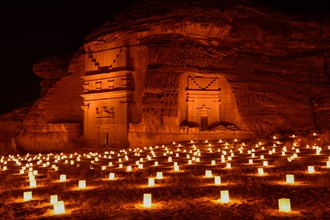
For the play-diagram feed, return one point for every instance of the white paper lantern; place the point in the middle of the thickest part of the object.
(284, 205)
(147, 200)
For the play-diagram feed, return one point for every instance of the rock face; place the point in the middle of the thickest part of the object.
(166, 71)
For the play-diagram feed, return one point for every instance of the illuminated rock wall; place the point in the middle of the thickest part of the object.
(213, 73)
(54, 121)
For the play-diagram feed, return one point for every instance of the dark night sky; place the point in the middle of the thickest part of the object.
(32, 30)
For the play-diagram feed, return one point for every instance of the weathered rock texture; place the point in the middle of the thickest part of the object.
(166, 71)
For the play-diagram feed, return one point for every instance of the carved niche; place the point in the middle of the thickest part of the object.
(104, 115)
(202, 101)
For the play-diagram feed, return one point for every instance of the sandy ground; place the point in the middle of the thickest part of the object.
(186, 194)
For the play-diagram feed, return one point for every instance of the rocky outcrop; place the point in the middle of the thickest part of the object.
(273, 67)
(53, 122)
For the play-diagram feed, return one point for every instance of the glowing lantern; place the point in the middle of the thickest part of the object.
(176, 168)
(27, 196)
(224, 196)
(284, 205)
(175, 164)
(262, 157)
(33, 183)
(82, 184)
(59, 207)
(140, 166)
(208, 173)
(169, 159)
(62, 177)
(265, 163)
(151, 181)
(53, 199)
(129, 168)
(310, 169)
(328, 163)
(261, 171)
(104, 168)
(217, 180)
(111, 176)
(228, 165)
(159, 175)
(156, 163)
(189, 162)
(213, 162)
(289, 178)
(147, 200)
(250, 161)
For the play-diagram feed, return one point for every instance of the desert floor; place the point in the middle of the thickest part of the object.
(185, 193)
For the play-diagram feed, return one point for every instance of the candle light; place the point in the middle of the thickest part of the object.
(62, 177)
(224, 196)
(27, 196)
(159, 175)
(217, 180)
(284, 205)
(147, 200)
(310, 169)
(260, 171)
(176, 168)
(111, 176)
(208, 173)
(59, 207)
(151, 181)
(82, 184)
(228, 165)
(265, 163)
(33, 183)
(53, 199)
(289, 178)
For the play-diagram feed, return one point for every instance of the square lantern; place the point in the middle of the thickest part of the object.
(59, 207)
(147, 200)
(284, 205)
(224, 196)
